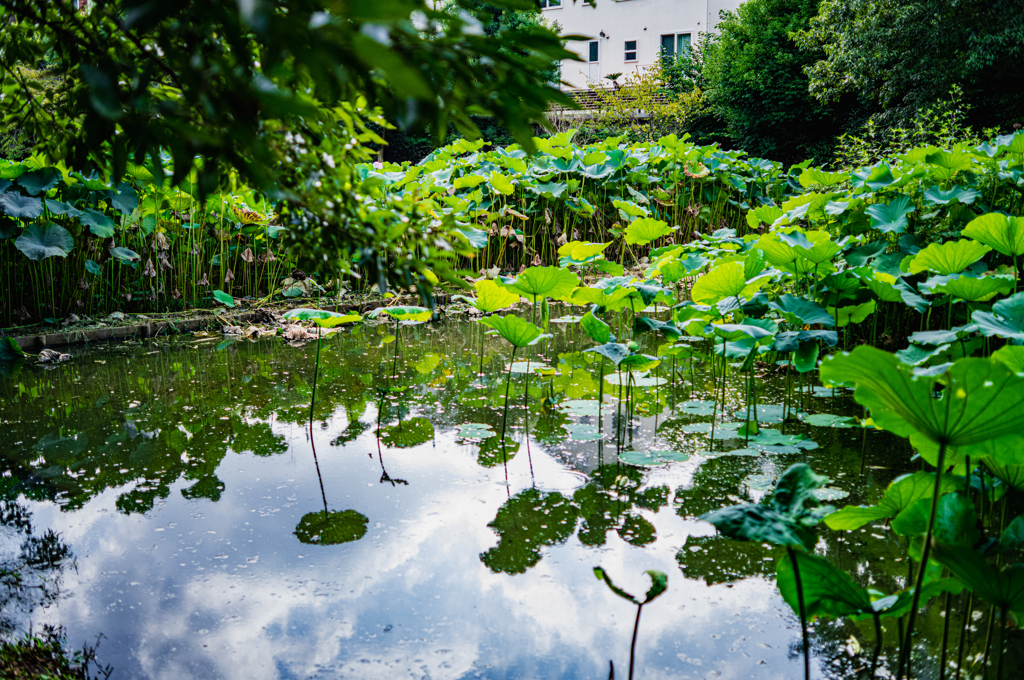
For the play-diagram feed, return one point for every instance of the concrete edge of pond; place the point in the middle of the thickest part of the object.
(35, 343)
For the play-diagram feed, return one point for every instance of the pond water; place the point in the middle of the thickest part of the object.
(181, 475)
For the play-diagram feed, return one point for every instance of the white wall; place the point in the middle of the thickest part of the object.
(642, 20)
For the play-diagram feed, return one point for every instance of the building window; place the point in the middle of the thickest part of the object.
(630, 50)
(675, 44)
(593, 56)
(548, 4)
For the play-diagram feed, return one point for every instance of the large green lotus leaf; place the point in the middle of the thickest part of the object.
(733, 332)
(955, 520)
(646, 229)
(938, 196)
(580, 252)
(1005, 320)
(800, 311)
(596, 330)
(409, 313)
(1001, 587)
(766, 214)
(904, 492)
(407, 433)
(18, 205)
(127, 200)
(517, 331)
(954, 161)
(1012, 356)
(891, 217)
(659, 583)
(827, 590)
(853, 313)
(338, 526)
(1003, 233)
(816, 176)
(642, 324)
(951, 257)
(125, 255)
(321, 317)
(652, 294)
(99, 224)
(725, 281)
(775, 250)
(975, 288)
(39, 181)
(874, 178)
(629, 210)
(1012, 537)
(787, 517)
(822, 249)
(59, 208)
(611, 299)
(10, 350)
(502, 184)
(552, 282)
(612, 350)
(491, 297)
(981, 412)
(477, 237)
(39, 242)
(468, 181)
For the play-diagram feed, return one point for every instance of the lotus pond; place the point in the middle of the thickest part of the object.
(206, 529)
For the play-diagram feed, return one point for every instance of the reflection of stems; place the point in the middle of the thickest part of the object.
(905, 654)
(945, 639)
(964, 633)
(316, 372)
(803, 612)
(394, 367)
(1003, 611)
(632, 646)
(878, 643)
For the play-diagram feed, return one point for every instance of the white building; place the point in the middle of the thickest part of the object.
(627, 35)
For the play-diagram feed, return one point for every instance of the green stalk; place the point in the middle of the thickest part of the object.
(922, 567)
(803, 612)
(878, 644)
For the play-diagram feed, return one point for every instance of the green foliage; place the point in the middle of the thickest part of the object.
(756, 83)
(332, 528)
(659, 583)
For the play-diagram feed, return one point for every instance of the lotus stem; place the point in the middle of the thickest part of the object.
(803, 612)
(922, 567)
(964, 633)
(878, 643)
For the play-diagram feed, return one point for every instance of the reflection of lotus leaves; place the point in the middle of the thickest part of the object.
(714, 559)
(207, 487)
(526, 523)
(735, 452)
(759, 482)
(492, 452)
(257, 438)
(829, 392)
(652, 457)
(339, 526)
(475, 431)
(407, 433)
(62, 450)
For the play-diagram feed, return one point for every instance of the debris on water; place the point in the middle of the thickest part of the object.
(52, 356)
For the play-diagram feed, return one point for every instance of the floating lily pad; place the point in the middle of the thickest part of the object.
(773, 441)
(759, 482)
(828, 392)
(829, 420)
(521, 367)
(567, 319)
(752, 453)
(697, 408)
(639, 380)
(768, 413)
(653, 457)
(829, 494)
(475, 431)
(583, 407)
(581, 432)
(338, 526)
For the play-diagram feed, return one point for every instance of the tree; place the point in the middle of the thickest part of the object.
(278, 94)
(905, 55)
(756, 82)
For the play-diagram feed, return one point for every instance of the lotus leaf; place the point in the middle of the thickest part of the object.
(937, 196)
(974, 288)
(827, 591)
(1005, 320)
(407, 433)
(659, 582)
(891, 217)
(409, 314)
(800, 311)
(725, 281)
(1004, 234)
(517, 331)
(39, 242)
(646, 229)
(17, 205)
(596, 330)
(537, 282)
(951, 257)
(491, 297)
